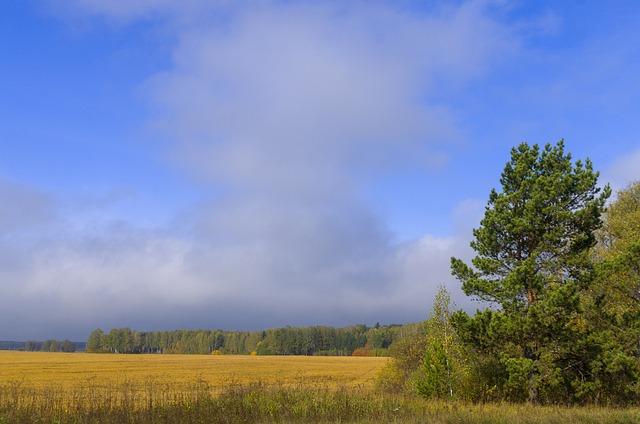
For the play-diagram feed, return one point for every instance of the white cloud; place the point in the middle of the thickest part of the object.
(288, 108)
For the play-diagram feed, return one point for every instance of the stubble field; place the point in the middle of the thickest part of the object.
(71, 370)
(102, 388)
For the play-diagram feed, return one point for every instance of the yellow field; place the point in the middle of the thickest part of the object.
(88, 388)
(69, 370)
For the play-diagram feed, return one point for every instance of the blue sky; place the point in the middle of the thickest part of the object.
(244, 165)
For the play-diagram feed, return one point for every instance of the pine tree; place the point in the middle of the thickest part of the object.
(532, 262)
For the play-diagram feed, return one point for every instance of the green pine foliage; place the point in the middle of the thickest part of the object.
(561, 273)
(563, 277)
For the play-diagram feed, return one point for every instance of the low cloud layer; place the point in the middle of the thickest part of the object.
(122, 276)
(283, 111)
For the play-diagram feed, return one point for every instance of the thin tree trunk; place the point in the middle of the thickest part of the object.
(531, 353)
(533, 390)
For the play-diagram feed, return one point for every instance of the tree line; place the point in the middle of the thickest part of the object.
(50, 345)
(559, 267)
(317, 340)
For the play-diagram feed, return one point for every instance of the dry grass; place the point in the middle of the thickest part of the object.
(216, 371)
(86, 388)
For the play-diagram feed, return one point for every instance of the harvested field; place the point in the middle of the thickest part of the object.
(100, 388)
(68, 370)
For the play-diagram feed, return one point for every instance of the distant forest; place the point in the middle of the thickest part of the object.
(355, 340)
(318, 340)
(50, 345)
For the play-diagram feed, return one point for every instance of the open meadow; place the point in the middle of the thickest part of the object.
(106, 388)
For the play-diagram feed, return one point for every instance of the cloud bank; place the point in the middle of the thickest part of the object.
(283, 111)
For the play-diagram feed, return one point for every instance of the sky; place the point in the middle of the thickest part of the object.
(243, 165)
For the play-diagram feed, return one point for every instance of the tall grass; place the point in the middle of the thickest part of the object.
(157, 402)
